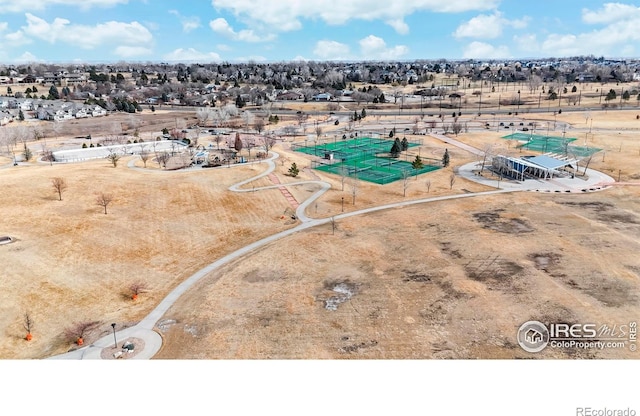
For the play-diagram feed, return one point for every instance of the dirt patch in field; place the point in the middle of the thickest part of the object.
(493, 220)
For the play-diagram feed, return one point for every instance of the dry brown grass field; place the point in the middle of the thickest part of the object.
(449, 279)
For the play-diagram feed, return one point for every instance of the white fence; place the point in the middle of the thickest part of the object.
(79, 155)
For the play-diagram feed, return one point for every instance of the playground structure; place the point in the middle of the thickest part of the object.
(365, 158)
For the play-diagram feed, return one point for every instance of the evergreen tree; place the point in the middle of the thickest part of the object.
(396, 148)
(21, 115)
(27, 153)
(293, 170)
(626, 95)
(53, 93)
(405, 144)
(363, 114)
(417, 163)
(611, 95)
(445, 158)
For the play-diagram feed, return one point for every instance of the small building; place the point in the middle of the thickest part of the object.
(545, 166)
(325, 96)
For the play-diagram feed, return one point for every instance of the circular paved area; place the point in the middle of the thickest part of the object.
(593, 181)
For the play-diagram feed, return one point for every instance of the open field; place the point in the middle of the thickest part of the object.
(443, 280)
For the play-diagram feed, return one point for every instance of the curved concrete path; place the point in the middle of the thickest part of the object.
(153, 340)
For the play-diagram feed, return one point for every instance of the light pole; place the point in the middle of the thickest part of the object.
(342, 204)
(115, 341)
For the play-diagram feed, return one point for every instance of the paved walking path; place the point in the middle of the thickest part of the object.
(153, 340)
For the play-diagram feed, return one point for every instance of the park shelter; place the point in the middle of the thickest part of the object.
(544, 166)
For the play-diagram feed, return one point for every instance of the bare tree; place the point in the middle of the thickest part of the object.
(318, 132)
(354, 189)
(59, 185)
(427, 183)
(587, 164)
(104, 200)
(268, 142)
(488, 151)
(144, 155)
(136, 288)
(218, 139)
(162, 158)
(405, 182)
(452, 180)
(456, 127)
(28, 324)
(247, 117)
(344, 174)
(77, 331)
(334, 225)
(47, 156)
(203, 115)
(114, 157)
(259, 125)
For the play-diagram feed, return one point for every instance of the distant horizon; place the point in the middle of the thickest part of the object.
(68, 32)
(151, 62)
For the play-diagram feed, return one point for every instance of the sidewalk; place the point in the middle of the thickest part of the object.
(152, 344)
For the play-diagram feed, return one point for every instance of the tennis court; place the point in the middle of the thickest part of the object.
(551, 144)
(365, 158)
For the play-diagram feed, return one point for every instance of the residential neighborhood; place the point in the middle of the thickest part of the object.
(59, 93)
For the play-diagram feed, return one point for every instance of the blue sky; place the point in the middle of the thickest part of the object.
(67, 31)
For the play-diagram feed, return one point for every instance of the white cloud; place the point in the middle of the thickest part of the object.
(223, 47)
(286, 15)
(13, 6)
(191, 55)
(250, 58)
(487, 26)
(26, 58)
(481, 50)
(399, 25)
(17, 38)
(611, 12)
(527, 43)
(615, 37)
(132, 51)
(331, 50)
(3, 26)
(188, 23)
(222, 28)
(87, 37)
(373, 47)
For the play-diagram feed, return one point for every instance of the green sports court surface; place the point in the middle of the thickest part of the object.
(366, 158)
(551, 144)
